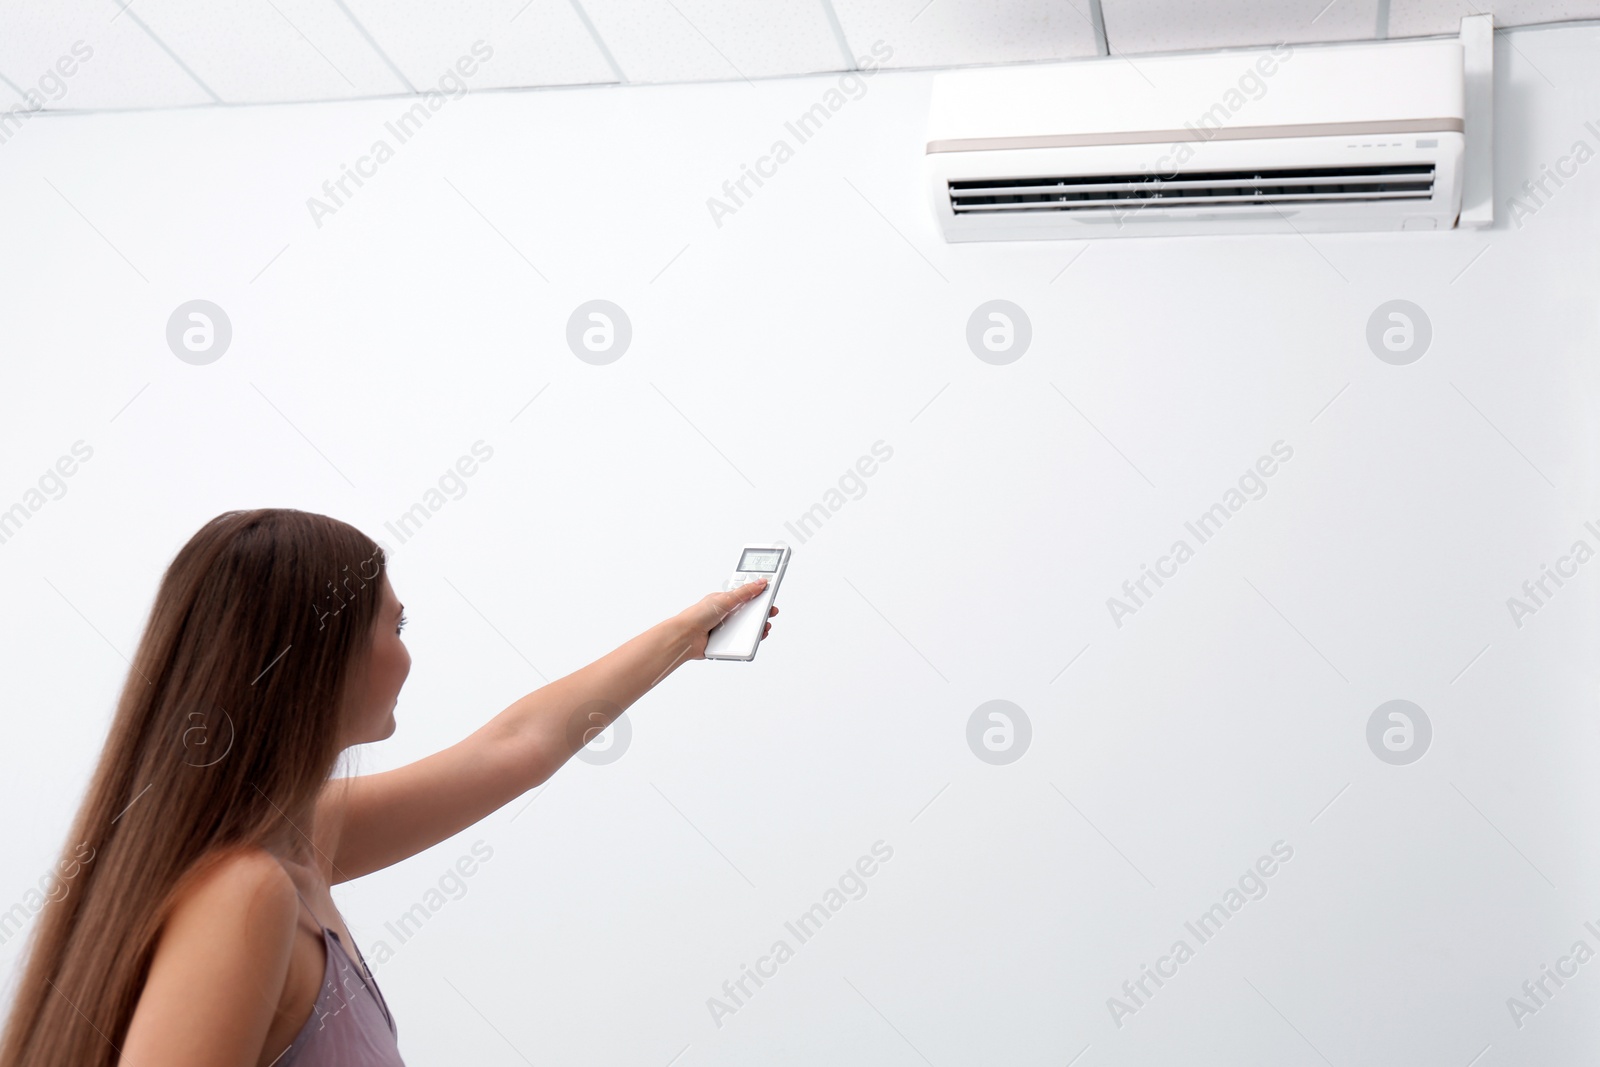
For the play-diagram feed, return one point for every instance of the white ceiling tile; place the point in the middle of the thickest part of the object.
(250, 51)
(1179, 25)
(533, 42)
(702, 40)
(935, 33)
(125, 67)
(168, 53)
(1426, 18)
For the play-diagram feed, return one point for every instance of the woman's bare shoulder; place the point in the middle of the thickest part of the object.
(219, 965)
(240, 882)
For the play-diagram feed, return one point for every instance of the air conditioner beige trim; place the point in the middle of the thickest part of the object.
(1223, 133)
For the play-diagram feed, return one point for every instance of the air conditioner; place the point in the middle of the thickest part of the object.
(1292, 138)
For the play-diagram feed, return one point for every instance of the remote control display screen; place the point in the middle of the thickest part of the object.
(755, 559)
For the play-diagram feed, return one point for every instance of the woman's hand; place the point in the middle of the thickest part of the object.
(701, 618)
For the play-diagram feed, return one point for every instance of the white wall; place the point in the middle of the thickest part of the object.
(768, 355)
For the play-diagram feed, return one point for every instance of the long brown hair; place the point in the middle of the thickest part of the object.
(228, 725)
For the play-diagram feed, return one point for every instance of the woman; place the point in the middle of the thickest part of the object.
(193, 923)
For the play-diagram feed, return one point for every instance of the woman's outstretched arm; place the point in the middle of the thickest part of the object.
(368, 822)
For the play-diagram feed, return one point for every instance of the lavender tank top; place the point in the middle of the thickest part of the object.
(350, 1024)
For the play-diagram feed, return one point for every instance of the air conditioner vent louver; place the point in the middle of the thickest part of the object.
(1212, 190)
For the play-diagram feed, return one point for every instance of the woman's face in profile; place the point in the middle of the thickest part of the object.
(386, 672)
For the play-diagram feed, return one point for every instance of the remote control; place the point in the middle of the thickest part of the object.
(739, 635)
